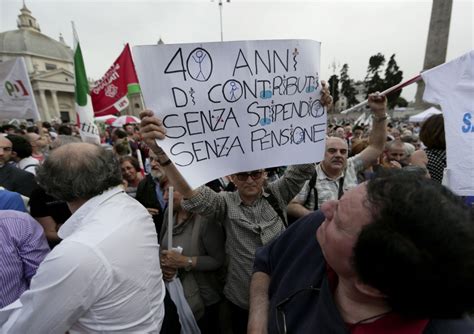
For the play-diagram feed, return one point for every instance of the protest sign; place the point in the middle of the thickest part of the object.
(235, 106)
(16, 95)
(451, 85)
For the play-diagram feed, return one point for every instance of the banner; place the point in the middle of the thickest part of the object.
(109, 94)
(451, 85)
(17, 99)
(85, 116)
(235, 106)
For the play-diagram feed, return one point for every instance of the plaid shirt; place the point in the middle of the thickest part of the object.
(328, 189)
(247, 227)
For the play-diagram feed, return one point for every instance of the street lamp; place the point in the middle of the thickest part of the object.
(220, 14)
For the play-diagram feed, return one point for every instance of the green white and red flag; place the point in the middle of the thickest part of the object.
(85, 115)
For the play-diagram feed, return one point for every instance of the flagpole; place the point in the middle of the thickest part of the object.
(392, 89)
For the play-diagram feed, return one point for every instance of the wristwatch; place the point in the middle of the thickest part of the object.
(189, 265)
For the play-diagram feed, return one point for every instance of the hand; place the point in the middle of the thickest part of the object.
(170, 258)
(168, 273)
(378, 104)
(326, 98)
(151, 128)
(153, 211)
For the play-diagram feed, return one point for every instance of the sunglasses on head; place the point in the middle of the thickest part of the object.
(256, 174)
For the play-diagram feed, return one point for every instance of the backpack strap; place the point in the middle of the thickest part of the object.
(312, 188)
(28, 166)
(271, 199)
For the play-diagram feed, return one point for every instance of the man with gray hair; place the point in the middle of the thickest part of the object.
(105, 275)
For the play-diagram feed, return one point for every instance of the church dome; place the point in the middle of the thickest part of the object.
(28, 40)
(31, 42)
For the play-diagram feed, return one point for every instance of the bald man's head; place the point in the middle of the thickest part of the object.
(79, 171)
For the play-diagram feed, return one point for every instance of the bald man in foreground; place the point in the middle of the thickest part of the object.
(105, 275)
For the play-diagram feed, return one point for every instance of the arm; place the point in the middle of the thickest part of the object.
(259, 303)
(61, 291)
(50, 228)
(33, 248)
(378, 135)
(297, 210)
(296, 207)
(151, 129)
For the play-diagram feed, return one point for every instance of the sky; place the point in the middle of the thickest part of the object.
(350, 31)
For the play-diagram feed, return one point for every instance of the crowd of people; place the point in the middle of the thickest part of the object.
(366, 241)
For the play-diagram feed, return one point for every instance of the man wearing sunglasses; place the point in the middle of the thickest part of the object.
(252, 216)
(391, 256)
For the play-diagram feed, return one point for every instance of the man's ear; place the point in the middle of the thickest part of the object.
(13, 155)
(368, 290)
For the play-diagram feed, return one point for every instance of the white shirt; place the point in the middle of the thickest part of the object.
(29, 164)
(451, 85)
(104, 276)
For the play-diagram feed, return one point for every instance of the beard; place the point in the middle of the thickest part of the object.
(156, 174)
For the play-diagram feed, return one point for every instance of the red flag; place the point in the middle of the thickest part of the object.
(109, 94)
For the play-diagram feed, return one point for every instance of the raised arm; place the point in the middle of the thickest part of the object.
(378, 135)
(151, 128)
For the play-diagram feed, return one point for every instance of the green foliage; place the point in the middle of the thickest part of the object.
(347, 88)
(334, 87)
(393, 76)
(401, 102)
(373, 81)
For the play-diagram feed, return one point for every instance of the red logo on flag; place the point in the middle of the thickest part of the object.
(113, 86)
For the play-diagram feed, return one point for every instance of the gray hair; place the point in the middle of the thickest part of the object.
(79, 171)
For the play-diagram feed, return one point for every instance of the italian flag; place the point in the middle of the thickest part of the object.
(85, 115)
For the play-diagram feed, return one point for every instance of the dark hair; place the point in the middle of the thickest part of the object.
(78, 173)
(64, 130)
(33, 128)
(432, 132)
(7, 127)
(119, 133)
(419, 249)
(46, 125)
(20, 145)
(133, 161)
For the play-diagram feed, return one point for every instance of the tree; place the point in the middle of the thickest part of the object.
(347, 88)
(373, 81)
(334, 88)
(393, 76)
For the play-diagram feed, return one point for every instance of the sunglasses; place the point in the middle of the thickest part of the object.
(255, 175)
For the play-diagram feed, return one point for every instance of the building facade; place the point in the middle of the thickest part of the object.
(49, 64)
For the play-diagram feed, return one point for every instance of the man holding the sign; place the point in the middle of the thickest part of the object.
(252, 216)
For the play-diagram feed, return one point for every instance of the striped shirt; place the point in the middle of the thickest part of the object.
(23, 247)
(247, 227)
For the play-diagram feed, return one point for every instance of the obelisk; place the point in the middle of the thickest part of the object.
(437, 44)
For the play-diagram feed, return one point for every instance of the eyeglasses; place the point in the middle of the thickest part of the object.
(280, 312)
(255, 175)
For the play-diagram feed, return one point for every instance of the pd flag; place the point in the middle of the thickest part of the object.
(85, 116)
(16, 95)
(109, 95)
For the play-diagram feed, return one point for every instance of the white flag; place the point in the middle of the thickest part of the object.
(16, 95)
